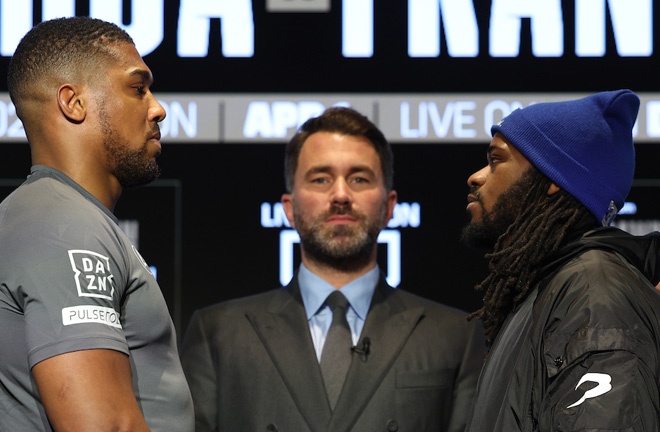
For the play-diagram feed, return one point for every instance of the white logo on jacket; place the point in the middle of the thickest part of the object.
(604, 385)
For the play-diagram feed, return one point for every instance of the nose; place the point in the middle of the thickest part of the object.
(341, 192)
(156, 111)
(478, 178)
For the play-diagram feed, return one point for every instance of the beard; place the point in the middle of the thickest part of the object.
(486, 232)
(339, 246)
(131, 167)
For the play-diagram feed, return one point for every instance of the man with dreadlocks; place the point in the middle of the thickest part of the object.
(571, 315)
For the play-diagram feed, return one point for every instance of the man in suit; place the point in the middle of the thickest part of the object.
(260, 363)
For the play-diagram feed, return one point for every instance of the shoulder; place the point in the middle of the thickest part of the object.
(228, 321)
(414, 300)
(48, 202)
(230, 310)
(454, 335)
(598, 272)
(56, 217)
(597, 302)
(439, 313)
(589, 288)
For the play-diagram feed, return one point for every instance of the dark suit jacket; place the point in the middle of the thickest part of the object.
(251, 367)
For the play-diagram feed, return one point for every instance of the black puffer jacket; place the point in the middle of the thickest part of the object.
(581, 353)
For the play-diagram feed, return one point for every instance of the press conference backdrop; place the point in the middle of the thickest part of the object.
(237, 77)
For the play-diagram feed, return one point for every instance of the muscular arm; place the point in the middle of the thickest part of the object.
(89, 390)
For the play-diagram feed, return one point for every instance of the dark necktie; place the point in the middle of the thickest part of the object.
(336, 354)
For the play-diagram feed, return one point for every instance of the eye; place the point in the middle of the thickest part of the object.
(141, 90)
(493, 159)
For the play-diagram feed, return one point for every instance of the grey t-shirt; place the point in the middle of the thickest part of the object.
(71, 280)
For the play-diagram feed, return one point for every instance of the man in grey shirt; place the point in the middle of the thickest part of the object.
(87, 340)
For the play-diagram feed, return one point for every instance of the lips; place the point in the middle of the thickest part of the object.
(342, 215)
(154, 132)
(473, 199)
(154, 138)
(340, 219)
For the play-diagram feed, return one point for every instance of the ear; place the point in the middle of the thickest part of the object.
(287, 205)
(391, 203)
(553, 189)
(71, 104)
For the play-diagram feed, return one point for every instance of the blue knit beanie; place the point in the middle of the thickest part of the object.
(584, 146)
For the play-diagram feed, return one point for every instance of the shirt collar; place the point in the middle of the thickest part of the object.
(314, 290)
(41, 171)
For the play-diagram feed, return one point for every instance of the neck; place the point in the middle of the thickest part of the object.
(106, 190)
(338, 275)
(81, 165)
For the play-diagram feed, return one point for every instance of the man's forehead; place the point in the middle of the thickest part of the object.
(499, 141)
(317, 160)
(126, 55)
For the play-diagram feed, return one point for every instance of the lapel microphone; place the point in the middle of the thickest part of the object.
(363, 351)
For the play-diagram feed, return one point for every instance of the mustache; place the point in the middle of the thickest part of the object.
(343, 209)
(155, 131)
(473, 191)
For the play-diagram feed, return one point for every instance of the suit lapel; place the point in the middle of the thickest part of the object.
(388, 326)
(284, 331)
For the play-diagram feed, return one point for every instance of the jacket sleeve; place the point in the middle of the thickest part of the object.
(600, 349)
(198, 365)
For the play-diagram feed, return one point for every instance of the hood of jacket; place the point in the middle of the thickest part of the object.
(641, 251)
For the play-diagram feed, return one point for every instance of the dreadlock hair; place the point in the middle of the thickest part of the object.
(544, 224)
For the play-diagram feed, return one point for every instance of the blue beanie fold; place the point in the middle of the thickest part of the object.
(584, 146)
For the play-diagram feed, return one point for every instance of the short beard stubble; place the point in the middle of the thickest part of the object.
(341, 247)
(131, 167)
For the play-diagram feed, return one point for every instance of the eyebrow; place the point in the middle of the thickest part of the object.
(142, 73)
(492, 148)
(328, 169)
